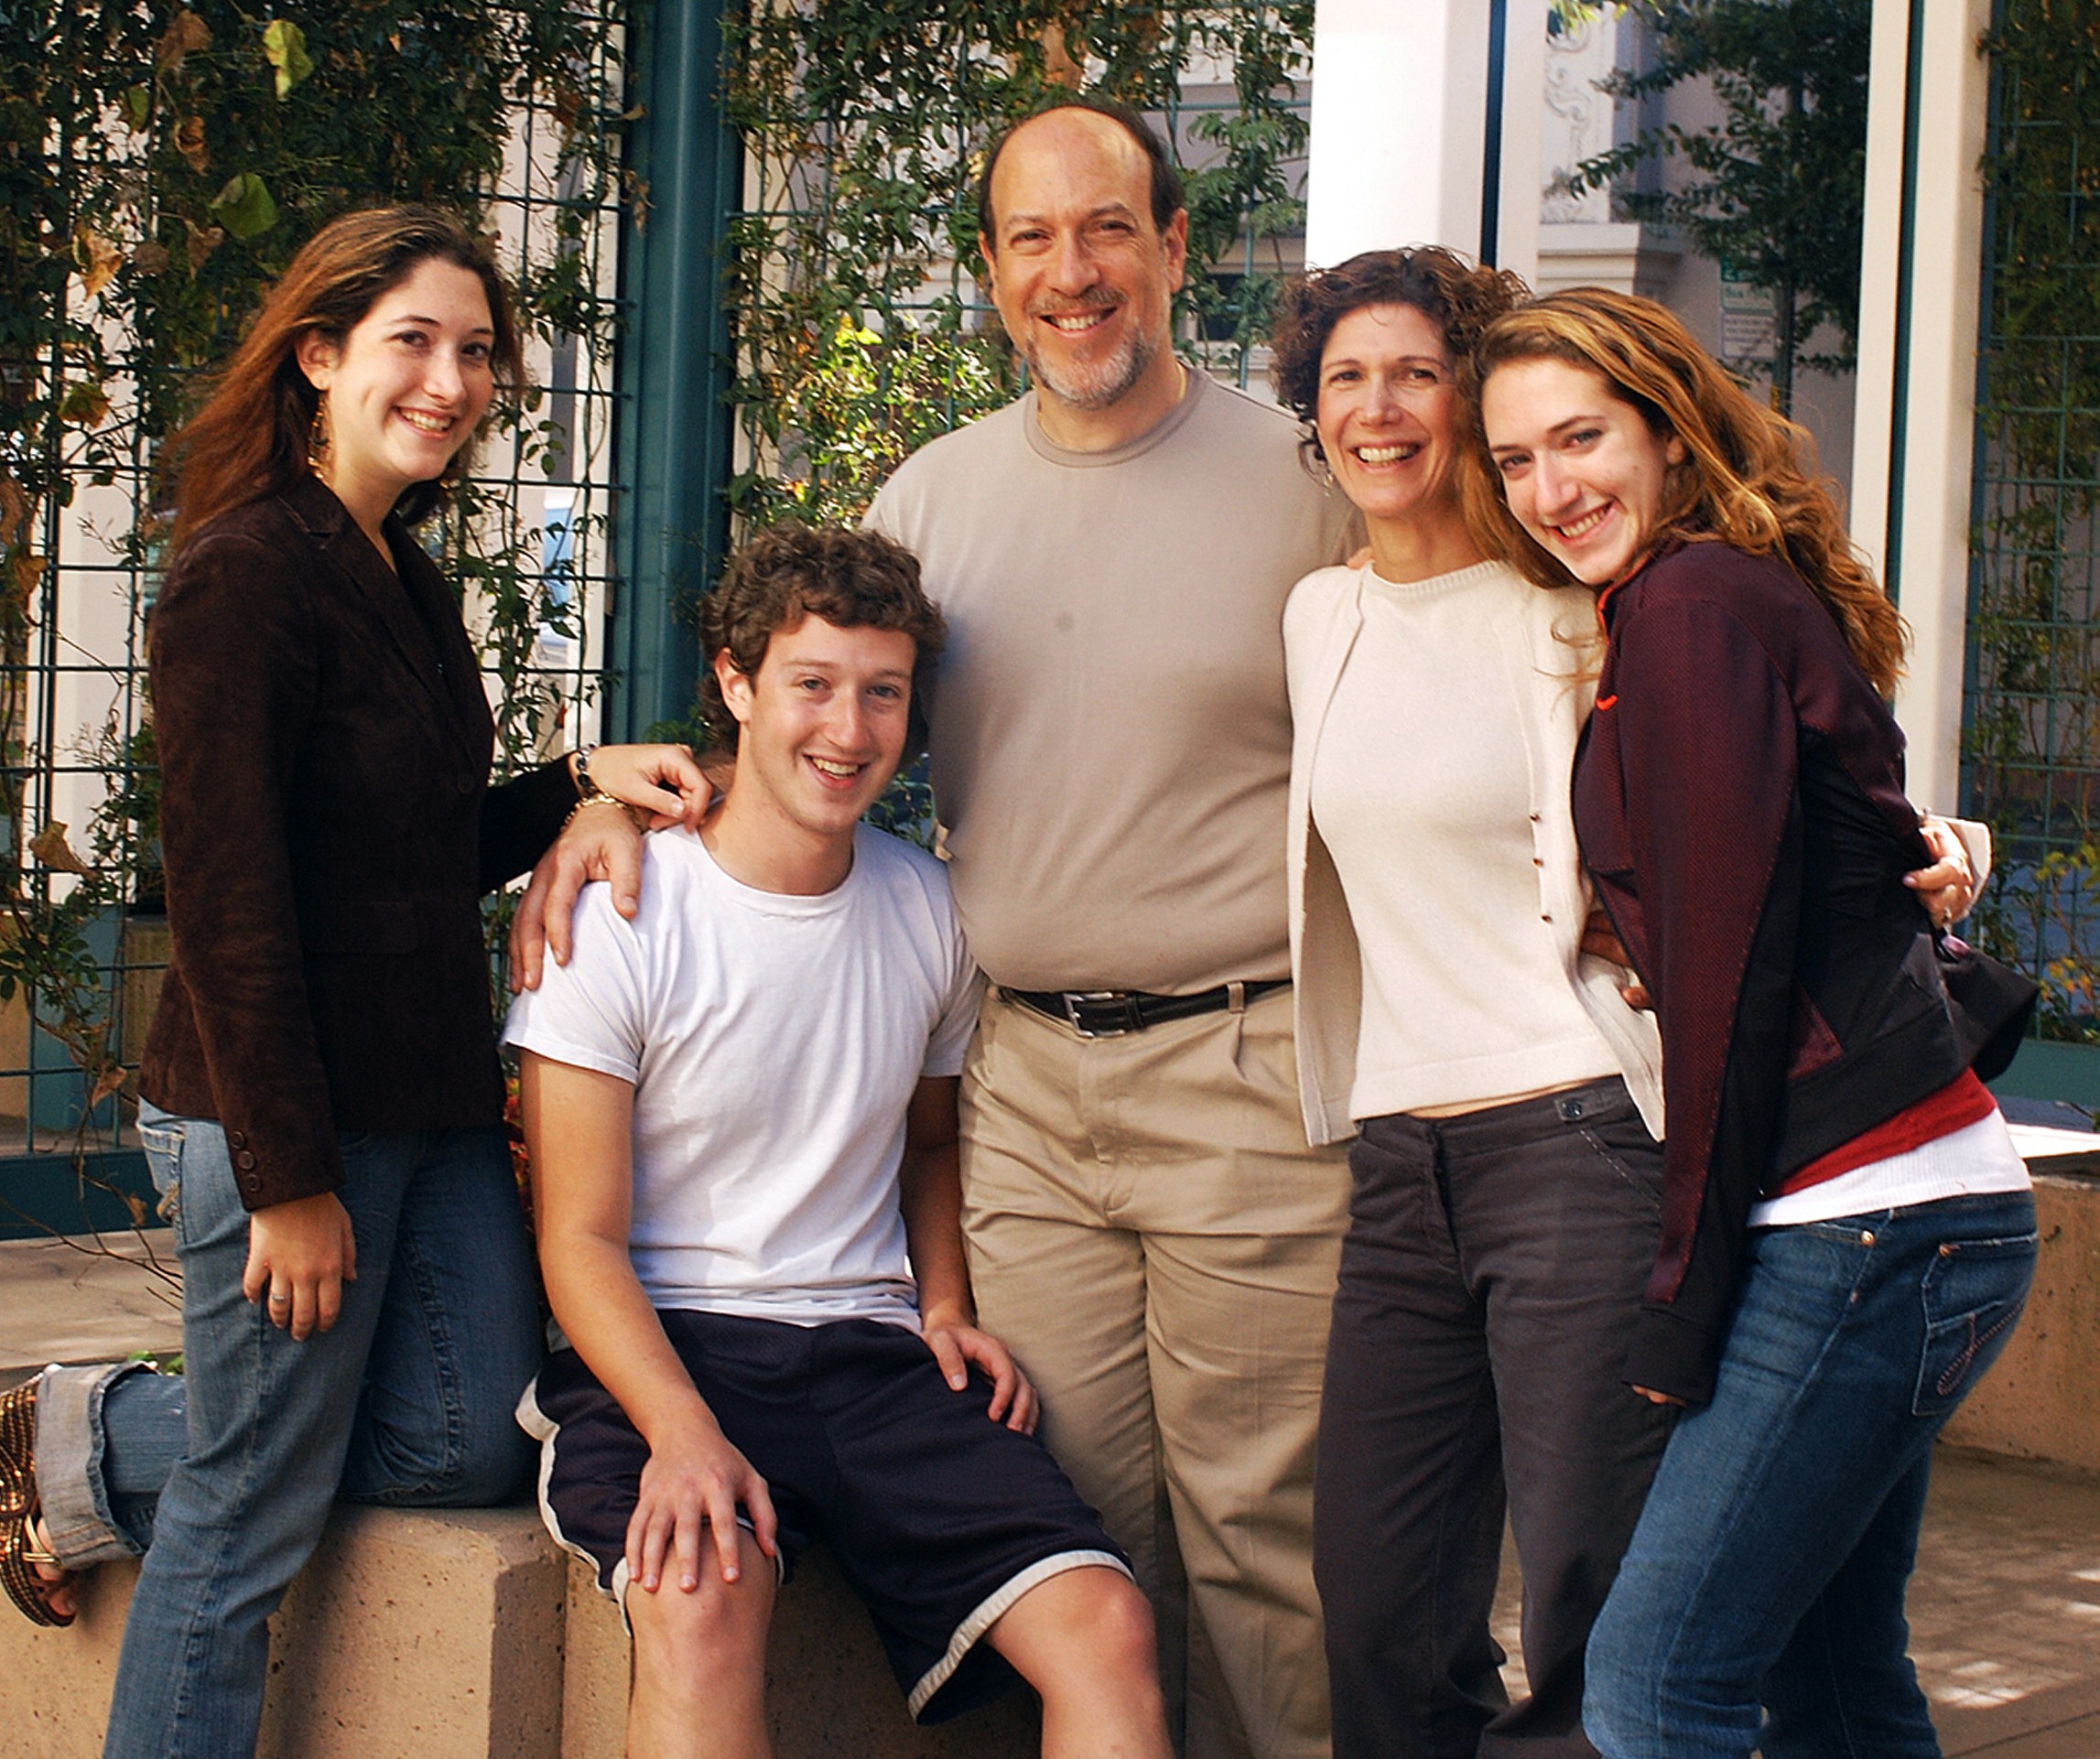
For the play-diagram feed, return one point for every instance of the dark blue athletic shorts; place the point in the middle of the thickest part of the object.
(939, 1517)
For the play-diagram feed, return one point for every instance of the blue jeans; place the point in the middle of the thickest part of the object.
(407, 1400)
(1768, 1571)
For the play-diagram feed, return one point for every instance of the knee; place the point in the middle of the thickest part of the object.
(1656, 1689)
(714, 1632)
(1618, 1701)
(1111, 1624)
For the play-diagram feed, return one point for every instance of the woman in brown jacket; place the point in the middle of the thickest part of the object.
(323, 1103)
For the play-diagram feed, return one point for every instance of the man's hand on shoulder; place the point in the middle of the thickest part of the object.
(695, 1481)
(958, 1346)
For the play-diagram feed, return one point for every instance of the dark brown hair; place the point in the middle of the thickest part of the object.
(1459, 297)
(250, 439)
(1748, 477)
(1165, 179)
(852, 579)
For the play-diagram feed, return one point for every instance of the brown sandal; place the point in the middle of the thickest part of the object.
(20, 1552)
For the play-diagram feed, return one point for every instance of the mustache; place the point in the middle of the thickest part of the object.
(1096, 298)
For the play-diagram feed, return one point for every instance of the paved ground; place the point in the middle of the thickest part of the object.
(2005, 1610)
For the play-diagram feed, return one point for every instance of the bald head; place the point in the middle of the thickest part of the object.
(1162, 179)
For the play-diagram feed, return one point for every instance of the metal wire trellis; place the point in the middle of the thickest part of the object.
(2032, 710)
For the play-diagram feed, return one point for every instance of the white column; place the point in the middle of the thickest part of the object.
(1914, 416)
(1399, 106)
(1523, 183)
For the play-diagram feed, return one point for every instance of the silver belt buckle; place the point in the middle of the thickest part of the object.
(1075, 998)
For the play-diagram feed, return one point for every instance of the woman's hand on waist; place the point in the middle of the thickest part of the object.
(299, 1255)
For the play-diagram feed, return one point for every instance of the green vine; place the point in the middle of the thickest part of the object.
(2033, 737)
(860, 334)
(159, 165)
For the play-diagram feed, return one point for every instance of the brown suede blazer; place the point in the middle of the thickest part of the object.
(327, 829)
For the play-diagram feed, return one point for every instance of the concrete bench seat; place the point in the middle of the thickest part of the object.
(468, 1635)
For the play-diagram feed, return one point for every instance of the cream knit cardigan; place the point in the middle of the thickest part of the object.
(1552, 647)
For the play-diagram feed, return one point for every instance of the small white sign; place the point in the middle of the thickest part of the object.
(1749, 319)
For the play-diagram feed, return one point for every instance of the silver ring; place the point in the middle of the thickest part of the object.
(280, 1300)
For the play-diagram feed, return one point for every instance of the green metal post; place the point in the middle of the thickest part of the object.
(672, 442)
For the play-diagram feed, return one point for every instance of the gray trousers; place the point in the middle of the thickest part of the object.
(1490, 1283)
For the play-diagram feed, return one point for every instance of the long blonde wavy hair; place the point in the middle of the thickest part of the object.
(1748, 477)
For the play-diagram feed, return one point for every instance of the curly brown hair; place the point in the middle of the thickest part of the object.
(1459, 297)
(249, 440)
(853, 579)
(1748, 477)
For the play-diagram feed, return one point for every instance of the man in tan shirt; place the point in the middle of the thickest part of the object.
(1110, 753)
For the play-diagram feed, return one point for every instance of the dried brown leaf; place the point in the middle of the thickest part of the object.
(49, 846)
(187, 32)
(1058, 67)
(14, 510)
(189, 143)
(98, 259)
(203, 241)
(151, 257)
(28, 570)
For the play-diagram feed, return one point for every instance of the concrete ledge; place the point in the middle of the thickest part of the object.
(2042, 1398)
(468, 1635)
(423, 1633)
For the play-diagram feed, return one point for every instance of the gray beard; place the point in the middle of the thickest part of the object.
(1104, 385)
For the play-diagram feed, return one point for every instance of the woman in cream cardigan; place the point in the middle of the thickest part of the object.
(1507, 1174)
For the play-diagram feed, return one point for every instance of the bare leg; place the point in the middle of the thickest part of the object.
(700, 1664)
(1083, 1640)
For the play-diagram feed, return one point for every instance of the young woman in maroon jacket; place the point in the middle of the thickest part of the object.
(323, 1103)
(1848, 1233)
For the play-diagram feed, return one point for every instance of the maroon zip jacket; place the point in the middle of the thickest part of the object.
(1738, 796)
(327, 828)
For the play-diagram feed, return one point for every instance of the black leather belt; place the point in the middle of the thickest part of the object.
(1111, 1013)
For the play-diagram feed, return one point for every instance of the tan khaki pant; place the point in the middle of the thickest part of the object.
(1151, 1235)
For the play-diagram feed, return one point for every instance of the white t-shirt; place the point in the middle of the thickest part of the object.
(774, 1043)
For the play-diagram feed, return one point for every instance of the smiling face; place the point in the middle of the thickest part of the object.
(821, 730)
(406, 387)
(1388, 416)
(1083, 279)
(1584, 473)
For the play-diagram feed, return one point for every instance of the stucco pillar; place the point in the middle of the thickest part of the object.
(1914, 421)
(1425, 127)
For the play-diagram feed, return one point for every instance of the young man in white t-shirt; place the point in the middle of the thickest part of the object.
(742, 1111)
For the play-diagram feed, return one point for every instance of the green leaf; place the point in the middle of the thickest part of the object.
(137, 106)
(244, 207)
(284, 48)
